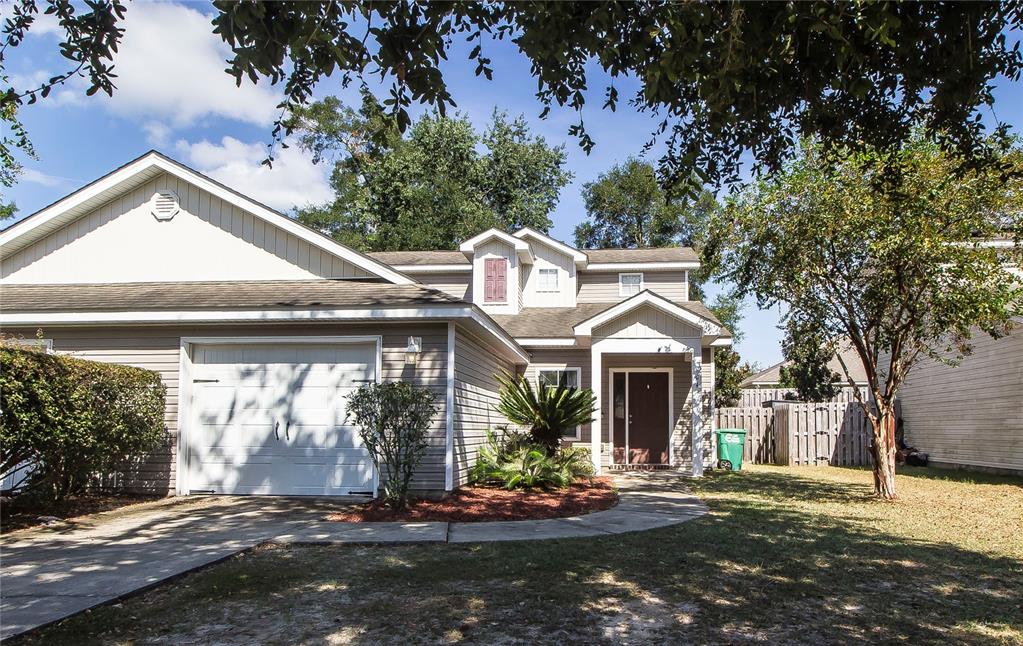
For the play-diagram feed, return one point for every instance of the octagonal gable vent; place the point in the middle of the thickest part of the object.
(165, 205)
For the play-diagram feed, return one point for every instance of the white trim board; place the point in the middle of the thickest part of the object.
(50, 218)
(449, 413)
(640, 266)
(433, 269)
(578, 257)
(645, 297)
(521, 248)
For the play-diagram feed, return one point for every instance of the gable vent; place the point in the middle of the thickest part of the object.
(165, 205)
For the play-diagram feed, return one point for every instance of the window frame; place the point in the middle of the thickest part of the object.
(578, 379)
(621, 285)
(557, 280)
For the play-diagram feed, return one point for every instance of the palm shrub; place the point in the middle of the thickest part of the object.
(393, 419)
(546, 411)
(514, 460)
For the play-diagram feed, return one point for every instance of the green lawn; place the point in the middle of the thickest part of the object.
(786, 555)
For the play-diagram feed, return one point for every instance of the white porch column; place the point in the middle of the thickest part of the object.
(595, 435)
(697, 397)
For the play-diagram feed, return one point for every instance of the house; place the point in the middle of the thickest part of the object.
(259, 326)
(765, 386)
(969, 415)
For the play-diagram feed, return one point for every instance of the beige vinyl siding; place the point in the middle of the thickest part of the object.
(682, 454)
(456, 283)
(476, 394)
(208, 239)
(602, 286)
(645, 323)
(158, 348)
(547, 358)
(970, 415)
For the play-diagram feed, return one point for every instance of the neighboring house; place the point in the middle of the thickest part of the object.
(259, 326)
(970, 415)
(765, 386)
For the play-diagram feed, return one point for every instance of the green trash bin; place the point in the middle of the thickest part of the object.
(730, 443)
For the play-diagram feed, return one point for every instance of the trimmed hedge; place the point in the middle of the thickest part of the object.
(70, 419)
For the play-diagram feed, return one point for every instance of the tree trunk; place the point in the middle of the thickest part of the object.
(883, 452)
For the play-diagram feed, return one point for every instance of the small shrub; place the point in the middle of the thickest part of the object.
(64, 420)
(393, 420)
(515, 460)
(547, 411)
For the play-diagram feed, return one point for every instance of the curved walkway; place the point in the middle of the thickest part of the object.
(51, 573)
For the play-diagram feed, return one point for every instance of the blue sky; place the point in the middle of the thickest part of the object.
(174, 96)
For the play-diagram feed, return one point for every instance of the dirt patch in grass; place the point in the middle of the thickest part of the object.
(476, 504)
(18, 514)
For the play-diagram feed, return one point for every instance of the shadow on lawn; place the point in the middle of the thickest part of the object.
(748, 572)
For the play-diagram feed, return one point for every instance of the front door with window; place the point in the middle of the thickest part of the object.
(640, 417)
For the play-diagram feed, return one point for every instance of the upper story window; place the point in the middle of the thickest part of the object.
(547, 280)
(630, 284)
(495, 280)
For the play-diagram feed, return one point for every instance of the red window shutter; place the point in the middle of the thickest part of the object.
(494, 280)
(501, 282)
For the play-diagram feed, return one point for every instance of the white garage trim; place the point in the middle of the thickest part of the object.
(186, 414)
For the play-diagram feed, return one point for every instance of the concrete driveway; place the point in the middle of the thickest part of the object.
(48, 574)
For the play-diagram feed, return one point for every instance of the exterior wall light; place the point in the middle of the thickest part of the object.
(414, 349)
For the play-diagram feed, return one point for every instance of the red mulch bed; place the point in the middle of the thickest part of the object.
(475, 504)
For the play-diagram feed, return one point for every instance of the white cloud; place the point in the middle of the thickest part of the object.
(35, 177)
(292, 181)
(158, 135)
(170, 68)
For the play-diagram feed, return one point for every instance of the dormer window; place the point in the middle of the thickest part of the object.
(547, 280)
(630, 284)
(495, 280)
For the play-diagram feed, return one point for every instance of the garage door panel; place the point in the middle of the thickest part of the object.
(244, 390)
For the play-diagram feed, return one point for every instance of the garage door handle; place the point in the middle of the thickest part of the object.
(286, 427)
(277, 425)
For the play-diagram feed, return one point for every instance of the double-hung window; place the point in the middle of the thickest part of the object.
(551, 378)
(547, 280)
(630, 284)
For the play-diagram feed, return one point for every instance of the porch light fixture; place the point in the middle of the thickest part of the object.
(414, 349)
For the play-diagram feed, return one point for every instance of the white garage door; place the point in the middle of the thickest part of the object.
(270, 419)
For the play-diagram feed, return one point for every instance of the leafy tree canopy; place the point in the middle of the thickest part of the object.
(728, 371)
(905, 255)
(721, 77)
(434, 187)
(807, 355)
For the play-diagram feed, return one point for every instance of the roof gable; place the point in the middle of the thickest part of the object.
(88, 227)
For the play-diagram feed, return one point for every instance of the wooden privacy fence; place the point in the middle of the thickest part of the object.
(759, 425)
(759, 396)
(835, 433)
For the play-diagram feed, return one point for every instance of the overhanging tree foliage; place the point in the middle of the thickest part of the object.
(902, 255)
(441, 183)
(722, 77)
(728, 371)
(808, 354)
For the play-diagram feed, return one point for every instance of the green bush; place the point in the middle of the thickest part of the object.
(516, 460)
(547, 411)
(393, 420)
(70, 420)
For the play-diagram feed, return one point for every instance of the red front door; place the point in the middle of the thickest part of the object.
(640, 428)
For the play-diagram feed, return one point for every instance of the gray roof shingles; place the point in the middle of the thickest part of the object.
(223, 295)
(558, 322)
(665, 254)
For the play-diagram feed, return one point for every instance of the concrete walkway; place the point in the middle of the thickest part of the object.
(51, 573)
